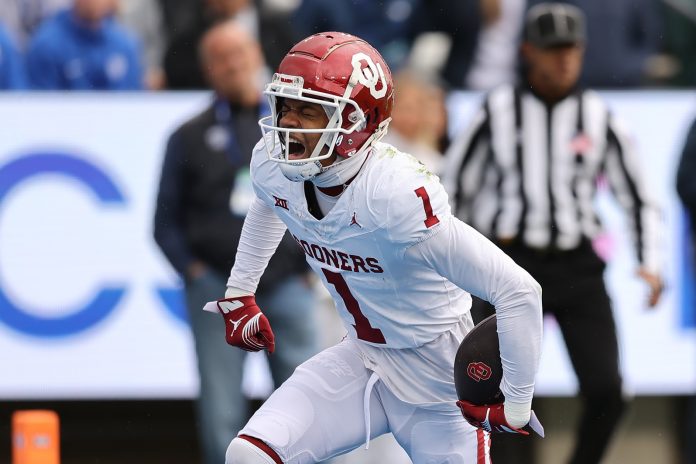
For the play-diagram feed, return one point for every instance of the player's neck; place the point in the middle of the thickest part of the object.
(325, 201)
(336, 190)
(327, 197)
(335, 177)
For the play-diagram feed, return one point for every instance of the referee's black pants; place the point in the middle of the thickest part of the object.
(574, 294)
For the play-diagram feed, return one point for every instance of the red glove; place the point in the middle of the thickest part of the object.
(246, 327)
(489, 417)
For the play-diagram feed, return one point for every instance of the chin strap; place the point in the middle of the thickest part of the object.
(341, 172)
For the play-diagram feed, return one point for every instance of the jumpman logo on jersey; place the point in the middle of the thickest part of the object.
(354, 221)
(236, 323)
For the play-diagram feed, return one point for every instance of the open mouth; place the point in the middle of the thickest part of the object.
(296, 150)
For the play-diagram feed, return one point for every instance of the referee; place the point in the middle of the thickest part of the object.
(525, 174)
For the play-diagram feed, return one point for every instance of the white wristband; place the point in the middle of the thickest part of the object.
(518, 414)
(234, 292)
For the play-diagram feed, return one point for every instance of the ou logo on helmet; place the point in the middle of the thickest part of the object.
(479, 371)
(107, 298)
(371, 75)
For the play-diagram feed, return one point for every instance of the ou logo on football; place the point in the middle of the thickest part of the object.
(478, 371)
(370, 76)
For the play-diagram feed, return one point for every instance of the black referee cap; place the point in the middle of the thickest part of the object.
(554, 24)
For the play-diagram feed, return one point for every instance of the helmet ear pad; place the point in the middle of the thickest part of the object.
(346, 145)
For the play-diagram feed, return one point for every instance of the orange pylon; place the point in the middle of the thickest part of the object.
(35, 437)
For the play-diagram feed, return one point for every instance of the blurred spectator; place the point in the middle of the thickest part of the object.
(84, 48)
(204, 194)
(12, 76)
(686, 189)
(144, 19)
(461, 21)
(495, 60)
(390, 25)
(680, 32)
(435, 131)
(22, 17)
(180, 15)
(623, 43)
(686, 178)
(419, 119)
(269, 27)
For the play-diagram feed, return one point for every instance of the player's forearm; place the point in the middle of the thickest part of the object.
(519, 333)
(490, 274)
(261, 234)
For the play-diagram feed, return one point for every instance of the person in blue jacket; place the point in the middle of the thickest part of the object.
(84, 48)
(12, 75)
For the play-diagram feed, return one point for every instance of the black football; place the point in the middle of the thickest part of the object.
(477, 366)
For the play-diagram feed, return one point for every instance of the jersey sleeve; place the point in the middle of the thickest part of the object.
(469, 260)
(628, 182)
(413, 204)
(261, 235)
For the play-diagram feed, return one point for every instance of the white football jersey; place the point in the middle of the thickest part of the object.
(400, 268)
(358, 248)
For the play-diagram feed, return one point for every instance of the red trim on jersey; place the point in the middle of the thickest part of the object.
(481, 438)
(263, 447)
(335, 190)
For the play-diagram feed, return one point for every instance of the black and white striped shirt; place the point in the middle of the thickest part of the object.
(529, 171)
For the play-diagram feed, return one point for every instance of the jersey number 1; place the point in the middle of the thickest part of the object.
(430, 218)
(362, 326)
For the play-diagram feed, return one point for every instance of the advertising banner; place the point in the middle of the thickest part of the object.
(90, 308)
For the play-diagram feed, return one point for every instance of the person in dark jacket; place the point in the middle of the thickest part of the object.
(686, 190)
(203, 198)
(268, 26)
(686, 172)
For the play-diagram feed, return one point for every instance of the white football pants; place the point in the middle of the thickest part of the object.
(321, 411)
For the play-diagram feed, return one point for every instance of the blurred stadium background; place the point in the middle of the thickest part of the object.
(91, 319)
(91, 322)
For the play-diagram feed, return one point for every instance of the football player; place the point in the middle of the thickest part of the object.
(376, 227)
